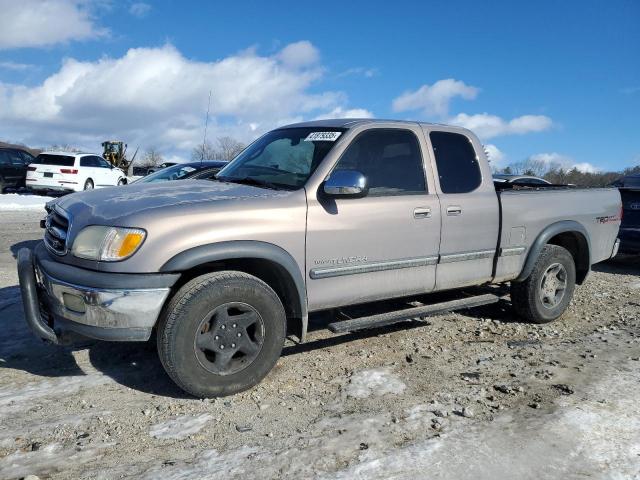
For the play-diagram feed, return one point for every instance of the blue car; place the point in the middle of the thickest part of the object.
(629, 235)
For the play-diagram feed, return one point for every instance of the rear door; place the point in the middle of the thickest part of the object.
(469, 211)
(385, 244)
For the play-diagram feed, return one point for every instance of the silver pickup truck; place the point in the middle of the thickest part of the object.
(317, 216)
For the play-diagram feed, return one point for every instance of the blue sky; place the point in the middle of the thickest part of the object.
(557, 81)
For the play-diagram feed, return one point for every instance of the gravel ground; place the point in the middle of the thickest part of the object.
(475, 394)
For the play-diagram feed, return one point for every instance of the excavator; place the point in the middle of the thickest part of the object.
(115, 152)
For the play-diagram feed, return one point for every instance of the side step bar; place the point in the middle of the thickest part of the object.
(390, 318)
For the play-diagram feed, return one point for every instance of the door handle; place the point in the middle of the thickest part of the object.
(453, 210)
(422, 212)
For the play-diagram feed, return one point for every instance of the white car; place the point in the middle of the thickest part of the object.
(72, 171)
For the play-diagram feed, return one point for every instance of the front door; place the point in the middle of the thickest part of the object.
(380, 246)
(469, 209)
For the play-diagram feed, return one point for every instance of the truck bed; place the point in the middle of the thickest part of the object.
(526, 212)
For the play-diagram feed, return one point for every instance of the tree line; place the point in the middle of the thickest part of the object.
(225, 148)
(555, 173)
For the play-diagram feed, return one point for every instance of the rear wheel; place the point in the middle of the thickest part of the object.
(221, 334)
(88, 185)
(546, 293)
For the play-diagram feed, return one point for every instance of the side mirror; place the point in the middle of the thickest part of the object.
(346, 183)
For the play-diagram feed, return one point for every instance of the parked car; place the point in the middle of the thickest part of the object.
(184, 171)
(629, 187)
(13, 167)
(326, 216)
(524, 180)
(161, 166)
(64, 171)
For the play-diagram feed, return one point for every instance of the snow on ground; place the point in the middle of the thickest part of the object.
(592, 434)
(15, 201)
(13, 399)
(596, 438)
(180, 427)
(375, 381)
(48, 459)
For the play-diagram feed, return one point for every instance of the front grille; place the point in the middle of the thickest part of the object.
(56, 229)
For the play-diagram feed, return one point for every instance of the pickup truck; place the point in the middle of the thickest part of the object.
(312, 217)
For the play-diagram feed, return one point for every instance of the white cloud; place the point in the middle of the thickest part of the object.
(554, 159)
(33, 23)
(15, 66)
(340, 112)
(299, 54)
(359, 71)
(156, 96)
(139, 9)
(488, 126)
(434, 99)
(495, 155)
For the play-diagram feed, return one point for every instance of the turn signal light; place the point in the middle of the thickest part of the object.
(72, 171)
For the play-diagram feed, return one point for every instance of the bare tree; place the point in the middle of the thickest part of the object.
(151, 158)
(228, 148)
(203, 152)
(62, 148)
(531, 166)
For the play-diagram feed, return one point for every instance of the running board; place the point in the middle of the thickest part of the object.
(390, 318)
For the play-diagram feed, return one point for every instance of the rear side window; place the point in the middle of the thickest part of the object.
(27, 157)
(458, 167)
(87, 162)
(4, 158)
(389, 159)
(101, 162)
(16, 158)
(59, 160)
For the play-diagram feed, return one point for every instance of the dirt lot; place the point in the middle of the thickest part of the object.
(470, 395)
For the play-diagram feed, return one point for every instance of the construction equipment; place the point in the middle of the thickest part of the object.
(115, 152)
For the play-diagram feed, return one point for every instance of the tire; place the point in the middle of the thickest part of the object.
(211, 313)
(88, 185)
(122, 182)
(547, 291)
(2, 185)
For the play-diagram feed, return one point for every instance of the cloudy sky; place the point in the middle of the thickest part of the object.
(556, 81)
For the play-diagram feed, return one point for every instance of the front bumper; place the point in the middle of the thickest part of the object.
(60, 300)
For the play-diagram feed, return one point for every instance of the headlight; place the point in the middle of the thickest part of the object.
(107, 244)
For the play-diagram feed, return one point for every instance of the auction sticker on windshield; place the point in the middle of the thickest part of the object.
(322, 136)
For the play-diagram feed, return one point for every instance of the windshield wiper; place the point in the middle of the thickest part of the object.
(251, 181)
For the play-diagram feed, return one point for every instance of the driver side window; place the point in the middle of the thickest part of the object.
(390, 159)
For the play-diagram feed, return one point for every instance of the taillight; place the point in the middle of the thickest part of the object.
(31, 169)
(72, 171)
(621, 211)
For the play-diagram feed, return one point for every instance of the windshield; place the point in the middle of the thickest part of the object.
(282, 159)
(170, 173)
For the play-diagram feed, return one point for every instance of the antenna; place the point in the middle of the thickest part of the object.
(206, 124)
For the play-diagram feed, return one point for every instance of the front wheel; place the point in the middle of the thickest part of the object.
(221, 334)
(545, 294)
(88, 185)
(122, 182)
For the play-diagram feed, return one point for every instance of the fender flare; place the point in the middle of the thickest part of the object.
(544, 237)
(250, 249)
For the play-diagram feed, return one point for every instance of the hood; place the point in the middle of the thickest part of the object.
(103, 206)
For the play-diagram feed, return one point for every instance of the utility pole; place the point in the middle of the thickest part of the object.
(206, 124)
